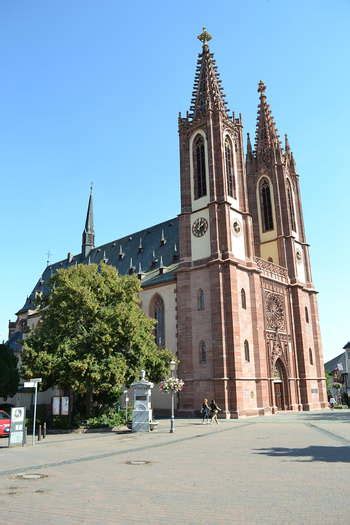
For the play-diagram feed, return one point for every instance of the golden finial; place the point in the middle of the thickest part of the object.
(204, 37)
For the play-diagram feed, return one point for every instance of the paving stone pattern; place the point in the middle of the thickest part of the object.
(288, 468)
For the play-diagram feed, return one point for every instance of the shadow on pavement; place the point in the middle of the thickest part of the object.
(313, 453)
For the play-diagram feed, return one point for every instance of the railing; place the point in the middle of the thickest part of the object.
(271, 270)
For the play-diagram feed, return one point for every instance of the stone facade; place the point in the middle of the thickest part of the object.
(230, 277)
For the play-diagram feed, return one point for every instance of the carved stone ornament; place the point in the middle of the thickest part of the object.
(274, 311)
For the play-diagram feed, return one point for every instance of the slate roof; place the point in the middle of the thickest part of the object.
(142, 252)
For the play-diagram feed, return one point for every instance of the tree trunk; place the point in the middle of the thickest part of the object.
(88, 401)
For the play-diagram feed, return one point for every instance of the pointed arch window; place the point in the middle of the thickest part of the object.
(311, 357)
(230, 175)
(157, 313)
(246, 351)
(266, 206)
(243, 299)
(200, 300)
(291, 206)
(199, 172)
(202, 352)
(306, 314)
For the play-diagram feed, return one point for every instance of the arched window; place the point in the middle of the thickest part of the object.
(157, 313)
(306, 314)
(202, 352)
(291, 206)
(243, 299)
(266, 206)
(311, 358)
(246, 351)
(200, 182)
(230, 175)
(200, 300)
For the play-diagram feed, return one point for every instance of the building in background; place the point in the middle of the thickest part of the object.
(339, 367)
(228, 280)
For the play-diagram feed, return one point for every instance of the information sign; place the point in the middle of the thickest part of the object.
(64, 405)
(56, 406)
(17, 428)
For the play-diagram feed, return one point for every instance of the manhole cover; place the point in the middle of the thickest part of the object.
(30, 475)
(138, 462)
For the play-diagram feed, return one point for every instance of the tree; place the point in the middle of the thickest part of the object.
(93, 338)
(9, 374)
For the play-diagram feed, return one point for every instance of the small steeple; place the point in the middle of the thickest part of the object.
(161, 265)
(162, 238)
(266, 137)
(88, 234)
(207, 92)
(249, 148)
(140, 273)
(131, 267)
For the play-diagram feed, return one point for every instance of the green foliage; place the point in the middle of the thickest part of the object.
(329, 380)
(9, 375)
(108, 420)
(93, 337)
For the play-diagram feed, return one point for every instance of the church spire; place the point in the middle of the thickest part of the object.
(89, 234)
(207, 92)
(266, 137)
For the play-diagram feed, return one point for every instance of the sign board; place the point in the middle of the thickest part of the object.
(64, 406)
(17, 428)
(29, 384)
(56, 406)
(60, 405)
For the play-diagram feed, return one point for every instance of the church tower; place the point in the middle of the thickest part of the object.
(279, 238)
(217, 271)
(88, 237)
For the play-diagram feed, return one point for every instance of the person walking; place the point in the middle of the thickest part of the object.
(205, 411)
(332, 402)
(214, 410)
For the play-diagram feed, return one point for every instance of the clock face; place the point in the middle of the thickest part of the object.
(236, 227)
(200, 227)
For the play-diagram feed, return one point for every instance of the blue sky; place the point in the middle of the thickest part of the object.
(90, 91)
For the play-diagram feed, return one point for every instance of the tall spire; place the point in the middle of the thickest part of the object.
(207, 91)
(89, 234)
(266, 137)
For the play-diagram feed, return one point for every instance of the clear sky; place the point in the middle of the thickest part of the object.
(91, 90)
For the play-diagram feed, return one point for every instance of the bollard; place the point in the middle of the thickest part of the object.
(39, 433)
(44, 430)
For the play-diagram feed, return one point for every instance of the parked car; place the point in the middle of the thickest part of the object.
(5, 422)
(6, 407)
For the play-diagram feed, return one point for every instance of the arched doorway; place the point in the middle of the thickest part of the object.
(280, 385)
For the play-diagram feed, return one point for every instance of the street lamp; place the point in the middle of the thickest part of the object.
(126, 404)
(33, 383)
(172, 421)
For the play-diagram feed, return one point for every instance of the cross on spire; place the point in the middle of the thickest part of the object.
(204, 36)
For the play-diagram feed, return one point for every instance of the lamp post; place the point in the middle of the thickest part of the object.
(172, 421)
(126, 404)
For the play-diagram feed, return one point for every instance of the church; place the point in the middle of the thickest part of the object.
(229, 279)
